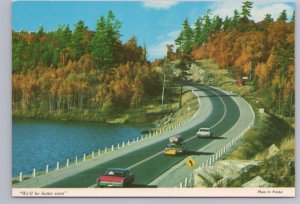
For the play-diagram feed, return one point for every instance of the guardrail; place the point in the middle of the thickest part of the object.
(188, 181)
(98, 152)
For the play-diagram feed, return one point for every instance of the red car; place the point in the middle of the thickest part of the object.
(115, 177)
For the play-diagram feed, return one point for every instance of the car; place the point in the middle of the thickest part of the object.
(115, 177)
(175, 146)
(173, 149)
(204, 132)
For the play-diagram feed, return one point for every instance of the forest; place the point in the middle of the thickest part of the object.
(66, 70)
(264, 52)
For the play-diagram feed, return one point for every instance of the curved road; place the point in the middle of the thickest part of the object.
(149, 162)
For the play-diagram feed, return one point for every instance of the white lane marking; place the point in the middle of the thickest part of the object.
(136, 164)
(140, 162)
(93, 186)
(147, 159)
(223, 116)
(225, 109)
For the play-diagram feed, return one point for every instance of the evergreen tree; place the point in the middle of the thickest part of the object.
(106, 42)
(185, 39)
(41, 32)
(282, 17)
(246, 9)
(216, 24)
(185, 43)
(268, 18)
(184, 64)
(99, 42)
(113, 32)
(206, 30)
(197, 31)
(67, 35)
(145, 53)
(226, 24)
(293, 17)
(235, 20)
(77, 42)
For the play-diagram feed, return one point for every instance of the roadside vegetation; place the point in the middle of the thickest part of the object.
(269, 129)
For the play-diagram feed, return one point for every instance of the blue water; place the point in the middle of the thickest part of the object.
(38, 143)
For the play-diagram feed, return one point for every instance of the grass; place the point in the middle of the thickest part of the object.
(271, 130)
(288, 143)
(188, 109)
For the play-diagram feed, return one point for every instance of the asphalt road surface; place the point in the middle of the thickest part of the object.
(150, 162)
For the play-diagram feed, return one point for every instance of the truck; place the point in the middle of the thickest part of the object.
(175, 146)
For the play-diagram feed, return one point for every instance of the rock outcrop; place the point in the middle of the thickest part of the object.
(257, 182)
(222, 173)
(275, 169)
(273, 150)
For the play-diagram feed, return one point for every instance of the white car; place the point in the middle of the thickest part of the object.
(204, 132)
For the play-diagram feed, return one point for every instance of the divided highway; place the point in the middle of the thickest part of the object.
(149, 162)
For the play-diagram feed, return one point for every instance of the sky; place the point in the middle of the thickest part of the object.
(155, 23)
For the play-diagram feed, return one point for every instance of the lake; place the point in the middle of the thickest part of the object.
(37, 143)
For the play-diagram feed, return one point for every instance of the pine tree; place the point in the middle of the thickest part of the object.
(145, 53)
(77, 42)
(99, 50)
(41, 32)
(206, 30)
(197, 31)
(67, 35)
(268, 18)
(282, 17)
(235, 20)
(185, 39)
(226, 24)
(246, 9)
(106, 42)
(293, 17)
(216, 24)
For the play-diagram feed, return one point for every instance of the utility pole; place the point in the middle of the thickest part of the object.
(180, 100)
(163, 92)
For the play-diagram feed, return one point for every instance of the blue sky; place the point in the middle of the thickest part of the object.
(155, 23)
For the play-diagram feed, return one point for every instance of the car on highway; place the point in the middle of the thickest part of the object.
(175, 146)
(115, 177)
(204, 132)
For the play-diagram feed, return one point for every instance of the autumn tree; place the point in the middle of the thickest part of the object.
(138, 91)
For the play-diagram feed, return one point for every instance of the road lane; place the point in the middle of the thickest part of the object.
(152, 166)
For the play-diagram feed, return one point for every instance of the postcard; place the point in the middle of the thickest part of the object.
(153, 98)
